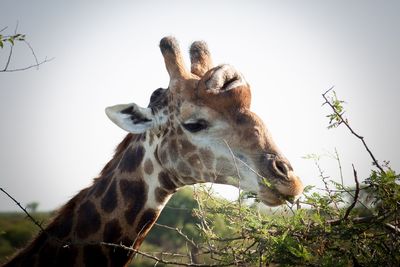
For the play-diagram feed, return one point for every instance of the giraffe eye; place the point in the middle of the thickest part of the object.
(195, 126)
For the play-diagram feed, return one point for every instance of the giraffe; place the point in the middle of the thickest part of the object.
(200, 129)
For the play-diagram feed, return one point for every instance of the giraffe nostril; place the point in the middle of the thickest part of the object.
(280, 168)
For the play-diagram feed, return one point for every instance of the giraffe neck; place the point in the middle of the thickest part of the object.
(120, 208)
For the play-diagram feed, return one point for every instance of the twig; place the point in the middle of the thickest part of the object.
(29, 67)
(365, 219)
(178, 208)
(228, 239)
(8, 59)
(179, 231)
(392, 228)
(236, 167)
(33, 53)
(24, 210)
(37, 63)
(11, 50)
(351, 130)
(355, 195)
(339, 165)
(344, 190)
(3, 29)
(147, 255)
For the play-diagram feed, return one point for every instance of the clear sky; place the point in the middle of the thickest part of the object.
(55, 136)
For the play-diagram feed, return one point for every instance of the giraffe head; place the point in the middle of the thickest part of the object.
(202, 130)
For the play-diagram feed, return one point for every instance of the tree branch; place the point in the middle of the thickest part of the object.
(342, 120)
(8, 59)
(24, 210)
(157, 259)
(19, 37)
(29, 67)
(355, 195)
(179, 231)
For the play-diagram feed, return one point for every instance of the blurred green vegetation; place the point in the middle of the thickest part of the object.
(16, 230)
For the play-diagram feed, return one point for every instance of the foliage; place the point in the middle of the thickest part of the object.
(316, 236)
(16, 231)
(9, 41)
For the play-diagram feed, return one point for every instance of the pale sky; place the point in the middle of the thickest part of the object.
(55, 136)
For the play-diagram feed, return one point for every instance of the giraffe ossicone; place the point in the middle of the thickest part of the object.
(200, 129)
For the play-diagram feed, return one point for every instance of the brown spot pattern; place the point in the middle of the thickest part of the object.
(88, 220)
(101, 184)
(165, 132)
(166, 182)
(119, 256)
(190, 180)
(112, 231)
(67, 256)
(184, 169)
(224, 166)
(118, 152)
(179, 130)
(186, 147)
(173, 150)
(195, 161)
(148, 166)
(207, 157)
(62, 225)
(135, 196)
(93, 256)
(48, 255)
(132, 159)
(110, 200)
(161, 194)
(149, 216)
(164, 157)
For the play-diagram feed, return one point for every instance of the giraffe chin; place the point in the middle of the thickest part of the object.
(273, 198)
(273, 202)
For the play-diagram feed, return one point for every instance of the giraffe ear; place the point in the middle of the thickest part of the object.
(132, 118)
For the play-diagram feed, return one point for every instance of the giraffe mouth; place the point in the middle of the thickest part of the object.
(271, 196)
(274, 199)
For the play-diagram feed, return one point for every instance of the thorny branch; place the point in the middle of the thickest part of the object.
(160, 259)
(28, 67)
(179, 231)
(345, 122)
(24, 210)
(355, 196)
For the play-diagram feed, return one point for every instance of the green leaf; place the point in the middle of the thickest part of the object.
(308, 188)
(11, 40)
(267, 183)
(1, 43)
